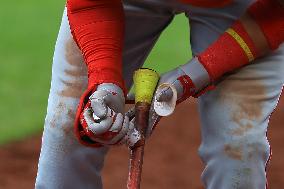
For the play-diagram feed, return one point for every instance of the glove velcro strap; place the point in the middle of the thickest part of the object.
(197, 73)
(188, 88)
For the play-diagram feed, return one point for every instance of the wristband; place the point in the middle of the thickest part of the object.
(232, 50)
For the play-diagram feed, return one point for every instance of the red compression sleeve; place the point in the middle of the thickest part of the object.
(97, 27)
(235, 48)
(226, 54)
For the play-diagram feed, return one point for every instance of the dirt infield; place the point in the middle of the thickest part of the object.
(166, 165)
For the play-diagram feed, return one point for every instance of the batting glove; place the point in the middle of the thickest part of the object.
(187, 80)
(103, 118)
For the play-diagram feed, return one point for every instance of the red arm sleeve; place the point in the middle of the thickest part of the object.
(97, 27)
(235, 48)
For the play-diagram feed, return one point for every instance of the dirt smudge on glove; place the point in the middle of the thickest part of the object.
(75, 75)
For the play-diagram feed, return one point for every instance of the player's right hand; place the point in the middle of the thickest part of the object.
(187, 80)
(177, 79)
(103, 118)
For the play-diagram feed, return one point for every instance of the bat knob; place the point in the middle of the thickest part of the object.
(167, 107)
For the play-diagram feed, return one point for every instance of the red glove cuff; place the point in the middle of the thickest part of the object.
(188, 88)
(269, 15)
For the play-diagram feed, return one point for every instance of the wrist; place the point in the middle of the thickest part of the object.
(112, 88)
(99, 77)
(197, 74)
(195, 79)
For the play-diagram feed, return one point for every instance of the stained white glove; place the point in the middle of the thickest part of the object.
(104, 118)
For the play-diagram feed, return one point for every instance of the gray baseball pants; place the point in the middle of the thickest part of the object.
(234, 116)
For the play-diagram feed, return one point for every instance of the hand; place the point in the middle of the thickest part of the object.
(180, 84)
(187, 80)
(103, 117)
(163, 96)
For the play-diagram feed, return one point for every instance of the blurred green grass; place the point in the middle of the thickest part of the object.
(173, 47)
(27, 37)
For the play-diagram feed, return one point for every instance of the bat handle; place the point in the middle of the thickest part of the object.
(137, 153)
(135, 171)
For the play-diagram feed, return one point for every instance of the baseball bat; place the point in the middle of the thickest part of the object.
(145, 81)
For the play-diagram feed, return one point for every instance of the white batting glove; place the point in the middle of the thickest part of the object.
(104, 117)
(181, 83)
(162, 96)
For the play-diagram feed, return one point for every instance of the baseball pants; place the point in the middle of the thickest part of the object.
(234, 116)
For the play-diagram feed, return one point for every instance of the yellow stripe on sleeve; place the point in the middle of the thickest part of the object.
(242, 43)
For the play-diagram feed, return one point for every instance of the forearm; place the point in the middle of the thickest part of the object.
(97, 27)
(259, 31)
